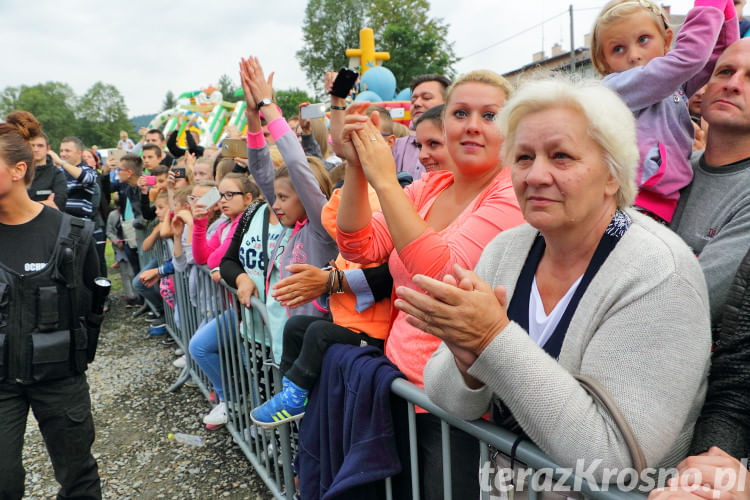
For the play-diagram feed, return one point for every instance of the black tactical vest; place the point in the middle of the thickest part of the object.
(43, 327)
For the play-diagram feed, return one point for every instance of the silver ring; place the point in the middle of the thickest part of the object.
(373, 138)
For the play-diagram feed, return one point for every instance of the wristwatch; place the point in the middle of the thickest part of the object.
(264, 102)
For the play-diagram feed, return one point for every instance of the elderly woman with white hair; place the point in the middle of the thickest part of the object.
(587, 287)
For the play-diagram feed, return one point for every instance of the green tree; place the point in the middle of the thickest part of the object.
(52, 103)
(418, 44)
(169, 101)
(228, 89)
(289, 100)
(8, 99)
(102, 114)
(329, 28)
(431, 56)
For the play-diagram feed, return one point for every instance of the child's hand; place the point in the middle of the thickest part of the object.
(149, 277)
(305, 284)
(245, 289)
(178, 226)
(185, 215)
(200, 211)
(143, 184)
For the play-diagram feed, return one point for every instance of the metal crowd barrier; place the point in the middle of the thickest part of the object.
(250, 377)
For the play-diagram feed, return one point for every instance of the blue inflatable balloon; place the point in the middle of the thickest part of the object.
(368, 95)
(381, 81)
(404, 95)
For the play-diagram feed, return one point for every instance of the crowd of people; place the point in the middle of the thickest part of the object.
(514, 244)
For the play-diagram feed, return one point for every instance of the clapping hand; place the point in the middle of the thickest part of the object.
(254, 82)
(374, 153)
(462, 310)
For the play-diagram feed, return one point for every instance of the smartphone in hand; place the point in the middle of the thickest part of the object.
(344, 83)
(234, 148)
(209, 199)
(311, 111)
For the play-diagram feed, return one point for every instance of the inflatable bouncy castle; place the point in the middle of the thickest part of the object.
(377, 83)
(204, 111)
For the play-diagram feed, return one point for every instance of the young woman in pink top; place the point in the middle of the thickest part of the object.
(442, 219)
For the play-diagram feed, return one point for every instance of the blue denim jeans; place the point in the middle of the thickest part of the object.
(204, 348)
(150, 293)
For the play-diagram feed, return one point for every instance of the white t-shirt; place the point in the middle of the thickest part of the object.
(541, 324)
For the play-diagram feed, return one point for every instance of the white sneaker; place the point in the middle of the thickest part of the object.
(180, 362)
(179, 352)
(218, 415)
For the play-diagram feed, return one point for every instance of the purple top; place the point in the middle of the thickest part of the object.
(658, 94)
(309, 243)
(406, 154)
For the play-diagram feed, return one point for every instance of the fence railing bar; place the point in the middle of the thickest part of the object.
(445, 435)
(250, 376)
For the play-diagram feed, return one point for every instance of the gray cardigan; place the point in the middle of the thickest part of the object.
(641, 329)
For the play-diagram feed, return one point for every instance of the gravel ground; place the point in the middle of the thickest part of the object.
(133, 416)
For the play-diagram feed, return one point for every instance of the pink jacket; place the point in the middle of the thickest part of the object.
(210, 252)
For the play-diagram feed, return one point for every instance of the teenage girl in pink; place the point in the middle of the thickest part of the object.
(631, 47)
(237, 191)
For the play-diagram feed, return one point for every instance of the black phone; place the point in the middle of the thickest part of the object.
(179, 172)
(344, 82)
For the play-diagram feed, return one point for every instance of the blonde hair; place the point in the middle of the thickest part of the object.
(224, 167)
(318, 169)
(320, 134)
(609, 121)
(181, 195)
(481, 76)
(275, 154)
(401, 130)
(613, 12)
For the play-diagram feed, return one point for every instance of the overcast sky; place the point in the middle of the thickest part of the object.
(146, 47)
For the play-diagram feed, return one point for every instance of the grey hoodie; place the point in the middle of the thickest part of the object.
(309, 243)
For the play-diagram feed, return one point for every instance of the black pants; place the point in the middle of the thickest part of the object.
(306, 340)
(63, 410)
(464, 457)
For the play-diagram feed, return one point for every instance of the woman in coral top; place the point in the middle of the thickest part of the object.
(445, 218)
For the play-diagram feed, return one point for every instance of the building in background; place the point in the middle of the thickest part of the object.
(560, 60)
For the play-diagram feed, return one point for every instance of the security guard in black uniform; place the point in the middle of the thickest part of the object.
(48, 331)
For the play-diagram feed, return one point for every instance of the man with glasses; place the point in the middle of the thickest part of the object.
(129, 205)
